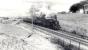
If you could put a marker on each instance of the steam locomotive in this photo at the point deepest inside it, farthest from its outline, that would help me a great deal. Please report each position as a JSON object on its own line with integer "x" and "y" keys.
{"x": 51, "y": 23}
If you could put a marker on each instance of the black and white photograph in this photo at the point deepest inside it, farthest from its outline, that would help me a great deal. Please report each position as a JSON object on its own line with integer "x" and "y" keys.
{"x": 43, "y": 24}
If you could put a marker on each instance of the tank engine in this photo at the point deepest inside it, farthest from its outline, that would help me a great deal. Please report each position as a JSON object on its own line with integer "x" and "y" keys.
{"x": 51, "y": 23}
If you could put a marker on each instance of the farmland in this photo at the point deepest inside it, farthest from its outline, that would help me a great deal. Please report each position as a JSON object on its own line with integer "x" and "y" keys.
{"x": 13, "y": 36}
{"x": 74, "y": 22}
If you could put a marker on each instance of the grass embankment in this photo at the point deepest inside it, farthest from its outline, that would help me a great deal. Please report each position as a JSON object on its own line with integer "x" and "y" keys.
{"x": 74, "y": 22}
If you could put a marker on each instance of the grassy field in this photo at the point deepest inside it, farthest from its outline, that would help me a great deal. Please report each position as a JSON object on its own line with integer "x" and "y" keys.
{"x": 74, "y": 22}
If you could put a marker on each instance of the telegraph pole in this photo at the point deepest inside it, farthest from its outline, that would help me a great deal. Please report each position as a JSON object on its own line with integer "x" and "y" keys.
{"x": 32, "y": 12}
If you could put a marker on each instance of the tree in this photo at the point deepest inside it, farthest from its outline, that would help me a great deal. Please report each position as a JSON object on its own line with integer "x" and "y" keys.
{"x": 84, "y": 3}
{"x": 75, "y": 7}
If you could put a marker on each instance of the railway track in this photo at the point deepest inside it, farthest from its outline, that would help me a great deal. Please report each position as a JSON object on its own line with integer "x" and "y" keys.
{"x": 75, "y": 39}
{"x": 64, "y": 34}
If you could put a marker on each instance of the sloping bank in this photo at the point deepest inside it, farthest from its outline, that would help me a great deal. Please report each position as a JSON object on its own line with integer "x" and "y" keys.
{"x": 15, "y": 38}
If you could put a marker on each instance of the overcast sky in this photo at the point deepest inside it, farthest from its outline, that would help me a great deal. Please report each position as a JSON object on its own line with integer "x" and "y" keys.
{"x": 21, "y": 7}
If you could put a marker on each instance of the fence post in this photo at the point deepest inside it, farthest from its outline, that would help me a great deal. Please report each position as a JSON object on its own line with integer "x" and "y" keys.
{"x": 63, "y": 43}
{"x": 70, "y": 43}
{"x": 79, "y": 46}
